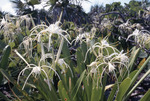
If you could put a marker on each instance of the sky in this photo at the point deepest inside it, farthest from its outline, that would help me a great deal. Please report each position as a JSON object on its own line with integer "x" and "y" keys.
{"x": 7, "y": 6}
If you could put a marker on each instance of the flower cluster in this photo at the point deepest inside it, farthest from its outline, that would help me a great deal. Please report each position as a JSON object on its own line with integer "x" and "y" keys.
{"x": 142, "y": 38}
{"x": 10, "y": 26}
{"x": 48, "y": 31}
{"x": 85, "y": 37}
{"x": 35, "y": 70}
{"x": 108, "y": 58}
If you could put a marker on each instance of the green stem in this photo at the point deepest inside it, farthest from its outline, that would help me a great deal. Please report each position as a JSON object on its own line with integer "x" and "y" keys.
{"x": 60, "y": 49}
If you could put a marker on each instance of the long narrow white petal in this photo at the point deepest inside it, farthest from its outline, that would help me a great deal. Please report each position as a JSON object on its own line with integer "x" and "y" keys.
{"x": 27, "y": 80}
{"x": 21, "y": 57}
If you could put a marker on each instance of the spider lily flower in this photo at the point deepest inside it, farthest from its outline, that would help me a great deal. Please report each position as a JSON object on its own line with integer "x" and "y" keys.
{"x": 104, "y": 43}
{"x": 115, "y": 59}
{"x": 124, "y": 25}
{"x": 49, "y": 31}
{"x": 8, "y": 28}
{"x": 99, "y": 47}
{"x": 27, "y": 43}
{"x": 144, "y": 38}
{"x": 35, "y": 70}
{"x": 118, "y": 56}
{"x": 86, "y": 37}
{"x": 21, "y": 20}
{"x": 110, "y": 67}
{"x": 109, "y": 64}
{"x": 106, "y": 66}
{"x": 123, "y": 58}
{"x": 135, "y": 33}
{"x": 3, "y": 22}
{"x": 93, "y": 66}
{"x": 64, "y": 65}
{"x": 78, "y": 38}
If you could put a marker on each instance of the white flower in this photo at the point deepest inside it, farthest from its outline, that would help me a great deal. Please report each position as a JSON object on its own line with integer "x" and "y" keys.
{"x": 135, "y": 33}
{"x": 27, "y": 43}
{"x": 93, "y": 64}
{"x": 82, "y": 37}
{"x": 64, "y": 65}
{"x": 48, "y": 31}
{"x": 123, "y": 58}
{"x": 110, "y": 67}
{"x": 99, "y": 47}
{"x": 8, "y": 28}
{"x": 22, "y": 19}
{"x": 3, "y": 22}
{"x": 142, "y": 38}
{"x": 119, "y": 58}
{"x": 104, "y": 43}
{"x": 85, "y": 37}
{"x": 55, "y": 28}
{"x": 93, "y": 70}
{"x": 35, "y": 70}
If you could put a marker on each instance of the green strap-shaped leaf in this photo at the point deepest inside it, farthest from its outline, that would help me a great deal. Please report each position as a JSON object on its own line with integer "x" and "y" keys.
{"x": 88, "y": 87}
{"x": 81, "y": 51}
{"x": 67, "y": 56}
{"x": 78, "y": 84}
{"x": 66, "y": 52}
{"x": 83, "y": 48}
{"x": 96, "y": 93}
{"x": 112, "y": 93}
{"x": 47, "y": 94}
{"x": 123, "y": 88}
{"x": 62, "y": 92}
{"x": 4, "y": 60}
{"x": 132, "y": 74}
{"x": 63, "y": 78}
{"x": 146, "y": 97}
{"x": 133, "y": 57}
{"x": 103, "y": 87}
{"x": 80, "y": 61}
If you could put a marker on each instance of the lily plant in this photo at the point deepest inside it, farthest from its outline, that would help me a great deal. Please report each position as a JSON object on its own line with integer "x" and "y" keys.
{"x": 35, "y": 70}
